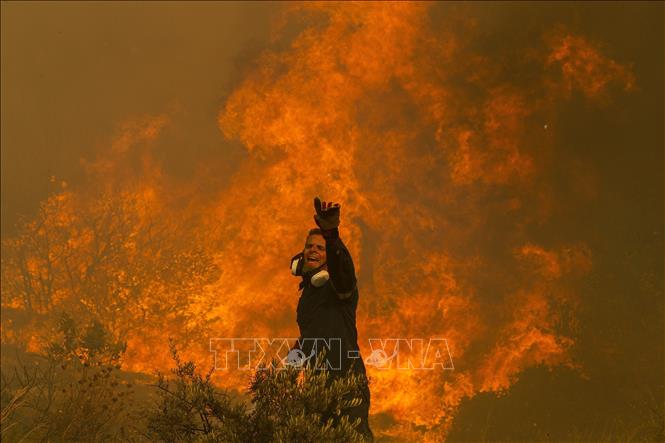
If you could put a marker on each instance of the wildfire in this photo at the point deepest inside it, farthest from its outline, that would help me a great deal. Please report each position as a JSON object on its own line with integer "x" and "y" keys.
{"x": 436, "y": 159}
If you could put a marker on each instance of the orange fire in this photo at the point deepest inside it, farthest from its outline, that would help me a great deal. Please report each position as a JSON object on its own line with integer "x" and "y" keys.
{"x": 438, "y": 160}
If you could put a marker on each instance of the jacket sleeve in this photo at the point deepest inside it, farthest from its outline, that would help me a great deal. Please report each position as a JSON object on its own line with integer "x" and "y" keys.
{"x": 340, "y": 265}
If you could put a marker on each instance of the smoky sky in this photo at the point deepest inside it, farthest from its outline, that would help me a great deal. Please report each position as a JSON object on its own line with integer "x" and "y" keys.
{"x": 73, "y": 71}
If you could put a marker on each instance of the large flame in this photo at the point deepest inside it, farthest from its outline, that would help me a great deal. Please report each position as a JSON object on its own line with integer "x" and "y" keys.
{"x": 439, "y": 160}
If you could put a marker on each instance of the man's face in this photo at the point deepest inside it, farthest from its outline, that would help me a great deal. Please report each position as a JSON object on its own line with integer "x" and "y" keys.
{"x": 315, "y": 252}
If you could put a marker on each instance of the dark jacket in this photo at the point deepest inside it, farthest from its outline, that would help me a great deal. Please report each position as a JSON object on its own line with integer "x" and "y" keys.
{"x": 329, "y": 312}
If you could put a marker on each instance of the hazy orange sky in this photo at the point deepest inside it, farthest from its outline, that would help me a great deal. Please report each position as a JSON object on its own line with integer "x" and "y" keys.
{"x": 520, "y": 144}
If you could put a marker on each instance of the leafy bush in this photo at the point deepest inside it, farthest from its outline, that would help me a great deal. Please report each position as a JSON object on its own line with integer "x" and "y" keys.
{"x": 74, "y": 393}
{"x": 191, "y": 407}
{"x": 286, "y": 405}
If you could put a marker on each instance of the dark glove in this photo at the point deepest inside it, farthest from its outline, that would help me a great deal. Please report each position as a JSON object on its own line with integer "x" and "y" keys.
{"x": 327, "y": 214}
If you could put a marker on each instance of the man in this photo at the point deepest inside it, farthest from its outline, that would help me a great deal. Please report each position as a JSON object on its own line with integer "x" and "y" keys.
{"x": 328, "y": 302}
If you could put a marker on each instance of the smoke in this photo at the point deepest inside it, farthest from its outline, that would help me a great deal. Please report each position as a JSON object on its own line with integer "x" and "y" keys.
{"x": 440, "y": 151}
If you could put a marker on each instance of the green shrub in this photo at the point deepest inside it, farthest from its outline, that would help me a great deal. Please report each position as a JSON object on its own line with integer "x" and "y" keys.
{"x": 286, "y": 405}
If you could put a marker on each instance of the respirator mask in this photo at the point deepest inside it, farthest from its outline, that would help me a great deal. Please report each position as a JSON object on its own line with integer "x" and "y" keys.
{"x": 317, "y": 276}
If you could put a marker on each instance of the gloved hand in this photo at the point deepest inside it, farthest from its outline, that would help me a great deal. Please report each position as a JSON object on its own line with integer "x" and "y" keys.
{"x": 327, "y": 214}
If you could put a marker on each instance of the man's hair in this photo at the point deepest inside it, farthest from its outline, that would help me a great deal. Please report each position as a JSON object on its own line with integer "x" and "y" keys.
{"x": 315, "y": 231}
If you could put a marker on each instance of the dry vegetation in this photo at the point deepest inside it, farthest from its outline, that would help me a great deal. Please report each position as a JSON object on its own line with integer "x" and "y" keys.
{"x": 77, "y": 392}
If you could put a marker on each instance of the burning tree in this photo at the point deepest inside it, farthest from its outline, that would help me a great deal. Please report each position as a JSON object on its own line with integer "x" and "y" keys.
{"x": 117, "y": 257}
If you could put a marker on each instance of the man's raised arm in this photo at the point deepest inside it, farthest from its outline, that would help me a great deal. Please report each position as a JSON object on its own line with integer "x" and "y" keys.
{"x": 340, "y": 265}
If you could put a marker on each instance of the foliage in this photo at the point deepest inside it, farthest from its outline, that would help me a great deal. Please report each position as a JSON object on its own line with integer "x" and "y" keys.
{"x": 115, "y": 256}
{"x": 286, "y": 405}
{"x": 75, "y": 393}
{"x": 191, "y": 406}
